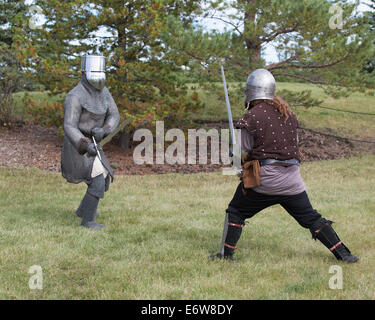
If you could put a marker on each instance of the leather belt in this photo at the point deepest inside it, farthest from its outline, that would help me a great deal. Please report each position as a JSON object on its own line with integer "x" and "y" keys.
{"x": 281, "y": 162}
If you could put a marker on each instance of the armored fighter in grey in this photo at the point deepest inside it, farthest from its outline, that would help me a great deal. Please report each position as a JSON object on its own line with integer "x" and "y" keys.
{"x": 90, "y": 114}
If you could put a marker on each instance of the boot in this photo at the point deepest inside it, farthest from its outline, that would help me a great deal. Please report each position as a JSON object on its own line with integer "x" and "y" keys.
{"x": 232, "y": 232}
{"x": 79, "y": 211}
{"x": 323, "y": 231}
{"x": 95, "y": 188}
{"x": 88, "y": 209}
{"x": 219, "y": 256}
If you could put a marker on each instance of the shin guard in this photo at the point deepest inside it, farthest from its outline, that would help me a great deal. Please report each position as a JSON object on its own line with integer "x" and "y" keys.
{"x": 323, "y": 231}
{"x": 232, "y": 232}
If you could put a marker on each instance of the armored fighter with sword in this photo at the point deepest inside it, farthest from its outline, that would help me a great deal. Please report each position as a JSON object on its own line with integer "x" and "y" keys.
{"x": 269, "y": 143}
{"x": 90, "y": 114}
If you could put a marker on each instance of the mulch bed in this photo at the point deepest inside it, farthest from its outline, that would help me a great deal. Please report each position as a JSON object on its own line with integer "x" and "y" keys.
{"x": 35, "y": 146}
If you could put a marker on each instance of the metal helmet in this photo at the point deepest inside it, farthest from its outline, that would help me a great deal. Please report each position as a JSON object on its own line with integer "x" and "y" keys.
{"x": 260, "y": 85}
{"x": 94, "y": 68}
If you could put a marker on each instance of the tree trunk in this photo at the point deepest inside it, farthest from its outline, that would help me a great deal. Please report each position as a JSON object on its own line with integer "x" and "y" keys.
{"x": 124, "y": 141}
{"x": 253, "y": 44}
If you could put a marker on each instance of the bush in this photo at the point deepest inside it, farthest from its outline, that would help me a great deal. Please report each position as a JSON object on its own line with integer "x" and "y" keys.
{"x": 174, "y": 112}
{"x": 10, "y": 81}
{"x": 45, "y": 113}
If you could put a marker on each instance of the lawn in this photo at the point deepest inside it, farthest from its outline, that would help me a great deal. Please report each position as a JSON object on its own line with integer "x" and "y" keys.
{"x": 161, "y": 229}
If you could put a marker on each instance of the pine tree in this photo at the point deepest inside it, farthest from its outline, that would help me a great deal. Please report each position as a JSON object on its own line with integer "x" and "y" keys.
{"x": 143, "y": 84}
{"x": 370, "y": 65}
{"x": 313, "y": 46}
{"x": 11, "y": 77}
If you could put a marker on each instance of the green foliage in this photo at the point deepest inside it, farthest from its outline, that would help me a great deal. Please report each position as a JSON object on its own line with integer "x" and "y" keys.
{"x": 10, "y": 11}
{"x": 10, "y": 80}
{"x": 11, "y": 77}
{"x": 154, "y": 49}
{"x": 309, "y": 49}
{"x": 300, "y": 98}
{"x": 45, "y": 113}
{"x": 142, "y": 81}
{"x": 370, "y": 65}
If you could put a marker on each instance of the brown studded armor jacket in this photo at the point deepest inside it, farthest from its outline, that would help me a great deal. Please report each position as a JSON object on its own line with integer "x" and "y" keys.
{"x": 274, "y": 137}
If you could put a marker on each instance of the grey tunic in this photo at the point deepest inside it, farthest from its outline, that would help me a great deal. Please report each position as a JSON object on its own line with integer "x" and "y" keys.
{"x": 84, "y": 109}
{"x": 275, "y": 179}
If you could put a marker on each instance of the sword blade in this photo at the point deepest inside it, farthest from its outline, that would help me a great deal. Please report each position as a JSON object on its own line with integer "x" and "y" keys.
{"x": 231, "y": 128}
{"x": 114, "y": 132}
{"x": 236, "y": 147}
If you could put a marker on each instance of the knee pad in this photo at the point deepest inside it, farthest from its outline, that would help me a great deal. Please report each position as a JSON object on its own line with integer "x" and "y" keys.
{"x": 235, "y": 216}
{"x": 97, "y": 186}
{"x": 318, "y": 226}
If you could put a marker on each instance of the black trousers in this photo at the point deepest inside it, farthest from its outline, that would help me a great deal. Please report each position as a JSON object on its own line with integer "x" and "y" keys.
{"x": 245, "y": 206}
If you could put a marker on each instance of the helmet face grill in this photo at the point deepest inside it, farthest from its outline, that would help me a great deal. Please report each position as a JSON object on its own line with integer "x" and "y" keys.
{"x": 94, "y": 68}
{"x": 96, "y": 79}
{"x": 260, "y": 85}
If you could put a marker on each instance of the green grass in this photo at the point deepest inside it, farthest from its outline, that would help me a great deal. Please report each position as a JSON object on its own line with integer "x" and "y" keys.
{"x": 346, "y": 124}
{"x": 161, "y": 228}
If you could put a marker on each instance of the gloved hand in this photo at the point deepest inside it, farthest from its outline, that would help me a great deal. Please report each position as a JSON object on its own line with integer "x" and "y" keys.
{"x": 91, "y": 150}
{"x": 98, "y": 133}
